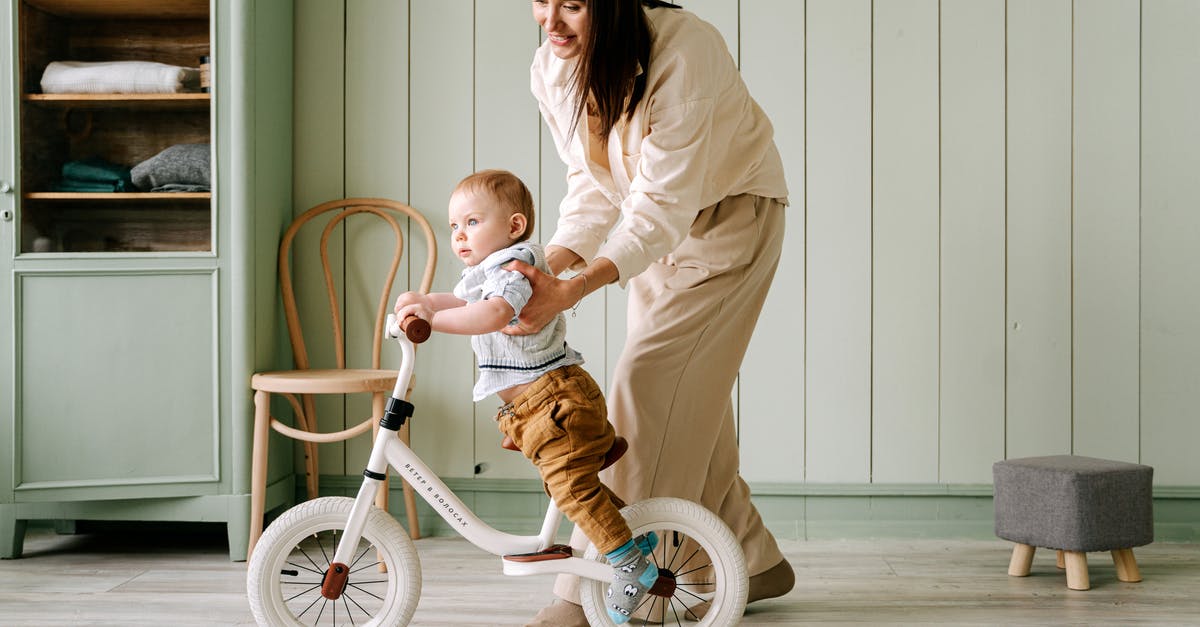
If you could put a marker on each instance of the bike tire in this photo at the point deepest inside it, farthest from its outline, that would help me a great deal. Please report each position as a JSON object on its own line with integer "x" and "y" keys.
{"x": 681, "y": 525}
{"x": 283, "y": 580}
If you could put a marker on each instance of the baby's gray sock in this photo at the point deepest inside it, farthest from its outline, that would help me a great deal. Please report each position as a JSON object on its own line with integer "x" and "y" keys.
{"x": 633, "y": 575}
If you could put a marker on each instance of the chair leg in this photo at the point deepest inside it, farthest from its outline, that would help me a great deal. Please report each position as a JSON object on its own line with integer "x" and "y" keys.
{"x": 1077, "y": 570}
{"x": 258, "y": 467}
{"x": 410, "y": 499}
{"x": 312, "y": 470}
{"x": 1022, "y": 560}
{"x": 1059, "y": 560}
{"x": 377, "y": 408}
{"x": 1127, "y": 568}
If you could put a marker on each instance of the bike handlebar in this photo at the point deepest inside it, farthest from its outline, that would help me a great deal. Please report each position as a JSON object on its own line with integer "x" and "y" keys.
{"x": 416, "y": 329}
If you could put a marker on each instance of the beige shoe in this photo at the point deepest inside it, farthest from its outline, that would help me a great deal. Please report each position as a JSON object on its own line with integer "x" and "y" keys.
{"x": 560, "y": 613}
{"x": 776, "y": 581}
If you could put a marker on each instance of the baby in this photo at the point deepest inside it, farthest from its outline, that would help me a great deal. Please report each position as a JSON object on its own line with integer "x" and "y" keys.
{"x": 553, "y": 410}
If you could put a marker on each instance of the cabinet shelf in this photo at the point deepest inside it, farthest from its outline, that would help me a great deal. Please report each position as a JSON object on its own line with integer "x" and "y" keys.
{"x": 135, "y": 196}
{"x": 143, "y": 9}
{"x": 189, "y": 101}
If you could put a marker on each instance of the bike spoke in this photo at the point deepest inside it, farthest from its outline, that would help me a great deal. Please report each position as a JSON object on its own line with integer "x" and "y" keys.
{"x": 694, "y": 570}
{"x": 310, "y": 560}
{"x": 302, "y": 593}
{"x": 360, "y": 568}
{"x": 365, "y": 591}
{"x": 673, "y": 611}
{"x": 310, "y": 606}
{"x": 303, "y": 567}
{"x": 347, "y": 606}
{"x": 321, "y": 545}
{"x": 689, "y": 559}
{"x": 322, "y": 610}
{"x": 356, "y": 604}
{"x": 361, "y": 555}
{"x": 691, "y": 594}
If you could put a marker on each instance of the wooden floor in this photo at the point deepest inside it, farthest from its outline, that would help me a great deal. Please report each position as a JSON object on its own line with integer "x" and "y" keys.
{"x": 155, "y": 576}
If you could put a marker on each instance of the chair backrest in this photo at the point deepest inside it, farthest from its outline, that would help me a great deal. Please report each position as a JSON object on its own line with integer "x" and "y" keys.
{"x": 387, "y": 210}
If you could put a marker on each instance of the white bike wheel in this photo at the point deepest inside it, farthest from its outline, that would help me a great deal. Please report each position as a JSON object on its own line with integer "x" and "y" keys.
{"x": 696, "y": 547}
{"x": 284, "y": 579}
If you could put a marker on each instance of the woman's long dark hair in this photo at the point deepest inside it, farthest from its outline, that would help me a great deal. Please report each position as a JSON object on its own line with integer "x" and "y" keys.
{"x": 618, "y": 39}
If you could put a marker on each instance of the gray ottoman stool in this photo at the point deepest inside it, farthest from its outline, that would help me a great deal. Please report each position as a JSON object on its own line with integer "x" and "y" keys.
{"x": 1075, "y": 505}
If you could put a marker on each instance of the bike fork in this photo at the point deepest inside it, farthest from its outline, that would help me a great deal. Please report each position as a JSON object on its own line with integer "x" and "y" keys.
{"x": 375, "y": 474}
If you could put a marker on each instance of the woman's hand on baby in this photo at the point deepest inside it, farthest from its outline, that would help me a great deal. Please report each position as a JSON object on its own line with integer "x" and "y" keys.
{"x": 550, "y": 297}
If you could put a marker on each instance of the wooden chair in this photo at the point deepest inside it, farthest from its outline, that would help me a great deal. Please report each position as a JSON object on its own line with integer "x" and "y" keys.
{"x": 305, "y": 381}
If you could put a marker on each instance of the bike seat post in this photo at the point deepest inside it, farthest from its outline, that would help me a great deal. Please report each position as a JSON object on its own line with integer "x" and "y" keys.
{"x": 550, "y": 525}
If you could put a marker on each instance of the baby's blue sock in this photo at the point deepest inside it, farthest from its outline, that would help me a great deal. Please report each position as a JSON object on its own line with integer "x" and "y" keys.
{"x": 633, "y": 575}
{"x": 646, "y": 542}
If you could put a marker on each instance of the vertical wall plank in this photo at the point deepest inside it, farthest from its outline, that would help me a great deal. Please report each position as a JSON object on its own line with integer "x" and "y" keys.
{"x": 1105, "y": 233}
{"x": 319, "y": 143}
{"x": 838, "y": 178}
{"x": 506, "y": 137}
{"x": 1039, "y": 204}
{"x": 318, "y": 109}
{"x": 377, "y": 99}
{"x": 441, "y": 152}
{"x": 972, "y": 296}
{"x": 376, "y": 166}
{"x": 904, "y": 373}
{"x": 1170, "y": 426}
{"x": 771, "y": 390}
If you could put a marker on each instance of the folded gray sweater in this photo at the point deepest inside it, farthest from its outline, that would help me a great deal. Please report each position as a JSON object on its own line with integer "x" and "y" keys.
{"x": 181, "y": 164}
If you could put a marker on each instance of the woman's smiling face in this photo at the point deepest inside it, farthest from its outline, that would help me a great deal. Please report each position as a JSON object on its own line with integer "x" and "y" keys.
{"x": 566, "y": 24}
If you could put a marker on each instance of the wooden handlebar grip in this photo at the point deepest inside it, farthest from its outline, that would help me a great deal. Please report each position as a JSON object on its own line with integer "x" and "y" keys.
{"x": 416, "y": 329}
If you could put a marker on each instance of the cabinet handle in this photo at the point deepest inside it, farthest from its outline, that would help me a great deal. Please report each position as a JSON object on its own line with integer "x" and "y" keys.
{"x": 5, "y": 187}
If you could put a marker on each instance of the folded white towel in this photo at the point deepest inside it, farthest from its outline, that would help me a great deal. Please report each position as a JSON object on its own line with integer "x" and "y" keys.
{"x": 117, "y": 77}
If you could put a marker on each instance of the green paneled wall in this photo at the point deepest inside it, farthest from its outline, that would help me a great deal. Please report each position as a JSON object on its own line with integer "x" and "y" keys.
{"x": 989, "y": 245}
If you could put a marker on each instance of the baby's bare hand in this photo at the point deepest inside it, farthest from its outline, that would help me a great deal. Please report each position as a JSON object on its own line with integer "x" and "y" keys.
{"x": 410, "y": 298}
{"x": 419, "y": 310}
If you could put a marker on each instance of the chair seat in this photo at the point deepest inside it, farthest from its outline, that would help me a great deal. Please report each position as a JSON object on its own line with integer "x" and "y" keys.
{"x": 333, "y": 381}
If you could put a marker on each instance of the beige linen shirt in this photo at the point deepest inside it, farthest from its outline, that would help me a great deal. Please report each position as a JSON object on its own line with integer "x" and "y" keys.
{"x": 695, "y": 138}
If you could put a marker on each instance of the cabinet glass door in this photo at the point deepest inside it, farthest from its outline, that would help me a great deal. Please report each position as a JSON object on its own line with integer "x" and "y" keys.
{"x": 115, "y": 126}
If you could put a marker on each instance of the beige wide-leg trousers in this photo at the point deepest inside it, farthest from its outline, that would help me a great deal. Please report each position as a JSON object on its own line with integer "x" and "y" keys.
{"x": 690, "y": 317}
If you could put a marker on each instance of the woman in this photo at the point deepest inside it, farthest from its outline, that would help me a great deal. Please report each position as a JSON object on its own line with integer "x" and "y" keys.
{"x": 675, "y": 190}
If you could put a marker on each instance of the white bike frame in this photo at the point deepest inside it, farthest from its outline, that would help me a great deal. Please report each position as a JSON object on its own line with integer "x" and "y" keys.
{"x": 389, "y": 449}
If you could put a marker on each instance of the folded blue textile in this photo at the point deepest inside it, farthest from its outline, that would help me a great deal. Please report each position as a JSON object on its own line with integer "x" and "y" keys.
{"x": 94, "y": 175}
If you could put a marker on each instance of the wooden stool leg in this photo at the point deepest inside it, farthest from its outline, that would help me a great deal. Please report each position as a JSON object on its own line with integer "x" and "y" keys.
{"x": 410, "y": 499}
{"x": 258, "y": 467}
{"x": 1127, "y": 568}
{"x": 1022, "y": 559}
{"x": 1077, "y": 570}
{"x": 1059, "y": 560}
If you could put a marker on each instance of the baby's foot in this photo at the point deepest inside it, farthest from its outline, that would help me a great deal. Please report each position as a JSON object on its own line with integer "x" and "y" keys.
{"x": 633, "y": 575}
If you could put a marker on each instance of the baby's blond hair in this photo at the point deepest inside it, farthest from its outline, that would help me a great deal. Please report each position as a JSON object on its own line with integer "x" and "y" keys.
{"x": 507, "y": 189}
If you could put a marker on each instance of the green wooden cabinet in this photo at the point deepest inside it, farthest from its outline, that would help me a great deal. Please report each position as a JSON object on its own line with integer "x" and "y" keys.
{"x": 130, "y": 323}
